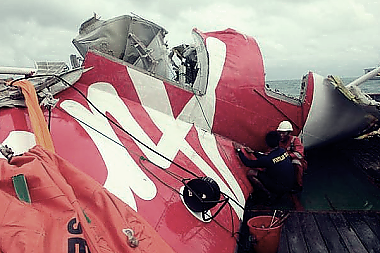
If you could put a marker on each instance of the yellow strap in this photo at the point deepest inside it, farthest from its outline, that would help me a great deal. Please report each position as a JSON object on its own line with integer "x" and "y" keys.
{"x": 37, "y": 119}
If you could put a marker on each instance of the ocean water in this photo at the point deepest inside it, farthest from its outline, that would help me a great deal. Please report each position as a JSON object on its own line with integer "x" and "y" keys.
{"x": 292, "y": 87}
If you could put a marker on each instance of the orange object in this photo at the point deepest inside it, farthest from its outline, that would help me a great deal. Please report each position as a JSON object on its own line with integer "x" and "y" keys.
{"x": 266, "y": 238}
{"x": 37, "y": 119}
{"x": 69, "y": 211}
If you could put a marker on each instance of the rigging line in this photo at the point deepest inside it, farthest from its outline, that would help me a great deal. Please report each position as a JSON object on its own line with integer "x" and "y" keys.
{"x": 220, "y": 225}
{"x": 181, "y": 194}
{"x": 171, "y": 173}
{"x": 232, "y": 231}
{"x": 267, "y": 100}
{"x": 113, "y": 122}
{"x": 236, "y": 202}
{"x": 204, "y": 116}
{"x": 142, "y": 158}
{"x": 217, "y": 142}
{"x": 232, "y": 220}
{"x": 155, "y": 176}
{"x": 117, "y": 125}
{"x": 120, "y": 144}
{"x": 200, "y": 105}
{"x": 99, "y": 132}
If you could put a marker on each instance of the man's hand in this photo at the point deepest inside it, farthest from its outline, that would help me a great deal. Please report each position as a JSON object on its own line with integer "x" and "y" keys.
{"x": 237, "y": 146}
{"x": 248, "y": 150}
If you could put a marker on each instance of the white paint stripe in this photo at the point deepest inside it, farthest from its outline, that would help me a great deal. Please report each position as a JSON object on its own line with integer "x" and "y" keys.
{"x": 19, "y": 141}
{"x": 192, "y": 112}
{"x": 124, "y": 175}
{"x": 209, "y": 145}
{"x": 151, "y": 91}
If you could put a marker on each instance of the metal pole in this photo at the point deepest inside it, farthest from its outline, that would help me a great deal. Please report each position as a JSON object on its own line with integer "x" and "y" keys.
{"x": 17, "y": 71}
{"x": 364, "y": 78}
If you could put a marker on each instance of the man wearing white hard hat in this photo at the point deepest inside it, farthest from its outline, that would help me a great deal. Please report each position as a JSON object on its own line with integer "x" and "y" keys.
{"x": 271, "y": 174}
{"x": 294, "y": 147}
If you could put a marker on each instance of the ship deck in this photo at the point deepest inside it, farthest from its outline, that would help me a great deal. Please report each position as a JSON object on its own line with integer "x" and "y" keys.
{"x": 338, "y": 209}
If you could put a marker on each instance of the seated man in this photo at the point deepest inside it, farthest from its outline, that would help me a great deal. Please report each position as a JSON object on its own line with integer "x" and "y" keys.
{"x": 273, "y": 173}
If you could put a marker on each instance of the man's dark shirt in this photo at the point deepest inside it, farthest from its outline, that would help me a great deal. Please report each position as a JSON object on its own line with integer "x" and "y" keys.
{"x": 278, "y": 166}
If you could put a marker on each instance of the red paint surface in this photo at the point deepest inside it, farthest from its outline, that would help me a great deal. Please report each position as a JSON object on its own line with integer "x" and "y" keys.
{"x": 243, "y": 113}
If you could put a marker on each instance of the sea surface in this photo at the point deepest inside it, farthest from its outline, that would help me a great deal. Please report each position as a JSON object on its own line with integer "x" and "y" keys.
{"x": 292, "y": 87}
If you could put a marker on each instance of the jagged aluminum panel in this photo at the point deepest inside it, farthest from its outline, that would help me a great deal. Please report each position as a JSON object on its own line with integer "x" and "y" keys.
{"x": 129, "y": 38}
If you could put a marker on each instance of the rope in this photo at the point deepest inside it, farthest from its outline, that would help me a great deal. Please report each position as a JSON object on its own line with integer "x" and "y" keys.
{"x": 37, "y": 120}
{"x": 113, "y": 122}
{"x": 142, "y": 158}
{"x": 278, "y": 109}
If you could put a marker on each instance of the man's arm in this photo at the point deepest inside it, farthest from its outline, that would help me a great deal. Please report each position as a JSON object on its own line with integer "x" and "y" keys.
{"x": 259, "y": 163}
{"x": 296, "y": 148}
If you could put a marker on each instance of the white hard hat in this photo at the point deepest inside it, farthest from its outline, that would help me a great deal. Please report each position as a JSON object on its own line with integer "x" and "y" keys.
{"x": 285, "y": 126}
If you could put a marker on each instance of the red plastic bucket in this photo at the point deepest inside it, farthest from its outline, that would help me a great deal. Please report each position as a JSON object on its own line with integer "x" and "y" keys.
{"x": 265, "y": 239}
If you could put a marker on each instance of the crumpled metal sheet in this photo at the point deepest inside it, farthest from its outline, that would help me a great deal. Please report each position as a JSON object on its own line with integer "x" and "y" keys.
{"x": 130, "y": 38}
{"x": 45, "y": 85}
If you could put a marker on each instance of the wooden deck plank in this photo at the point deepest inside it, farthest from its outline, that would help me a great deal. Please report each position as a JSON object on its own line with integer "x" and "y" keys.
{"x": 373, "y": 221}
{"x": 283, "y": 246}
{"x": 329, "y": 233}
{"x": 364, "y": 232}
{"x": 312, "y": 235}
{"x": 294, "y": 234}
{"x": 347, "y": 233}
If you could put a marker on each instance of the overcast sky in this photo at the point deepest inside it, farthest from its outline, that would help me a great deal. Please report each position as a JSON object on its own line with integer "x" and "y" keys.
{"x": 339, "y": 37}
